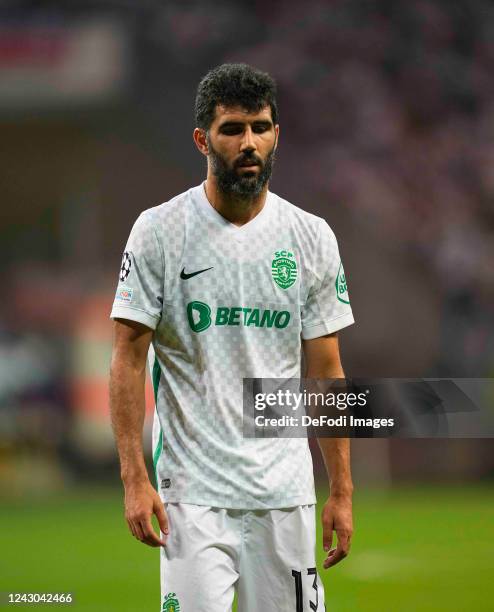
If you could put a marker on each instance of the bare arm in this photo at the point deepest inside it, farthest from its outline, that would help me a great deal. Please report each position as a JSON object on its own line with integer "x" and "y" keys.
{"x": 323, "y": 361}
{"x": 127, "y": 379}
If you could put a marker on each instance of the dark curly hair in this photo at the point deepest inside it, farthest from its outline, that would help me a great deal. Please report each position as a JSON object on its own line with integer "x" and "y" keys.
{"x": 234, "y": 85}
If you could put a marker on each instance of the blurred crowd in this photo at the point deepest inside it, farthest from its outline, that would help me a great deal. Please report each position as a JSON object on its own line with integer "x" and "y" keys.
{"x": 390, "y": 107}
{"x": 395, "y": 101}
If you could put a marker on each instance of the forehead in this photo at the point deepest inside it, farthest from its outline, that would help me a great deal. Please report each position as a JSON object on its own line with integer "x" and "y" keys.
{"x": 238, "y": 114}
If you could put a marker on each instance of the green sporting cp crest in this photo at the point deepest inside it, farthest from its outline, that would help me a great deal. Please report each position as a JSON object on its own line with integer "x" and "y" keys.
{"x": 284, "y": 269}
{"x": 171, "y": 603}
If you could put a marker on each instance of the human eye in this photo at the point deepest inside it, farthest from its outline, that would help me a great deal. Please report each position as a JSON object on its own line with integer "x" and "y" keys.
{"x": 231, "y": 130}
{"x": 260, "y": 128}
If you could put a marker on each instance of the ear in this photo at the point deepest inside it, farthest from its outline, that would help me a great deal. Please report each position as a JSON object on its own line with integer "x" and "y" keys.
{"x": 200, "y": 140}
{"x": 277, "y": 135}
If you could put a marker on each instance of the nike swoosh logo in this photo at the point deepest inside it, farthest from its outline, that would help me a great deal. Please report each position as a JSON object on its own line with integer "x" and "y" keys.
{"x": 185, "y": 276}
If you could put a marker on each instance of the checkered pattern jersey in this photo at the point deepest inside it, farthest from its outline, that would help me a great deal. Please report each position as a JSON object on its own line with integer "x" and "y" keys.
{"x": 199, "y": 358}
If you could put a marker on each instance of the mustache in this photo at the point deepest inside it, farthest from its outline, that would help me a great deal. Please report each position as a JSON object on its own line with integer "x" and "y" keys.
{"x": 248, "y": 160}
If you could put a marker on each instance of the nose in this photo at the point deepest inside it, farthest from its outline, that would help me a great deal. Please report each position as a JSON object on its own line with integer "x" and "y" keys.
{"x": 248, "y": 143}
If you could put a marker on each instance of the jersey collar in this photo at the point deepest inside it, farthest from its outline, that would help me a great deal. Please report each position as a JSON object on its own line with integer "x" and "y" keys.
{"x": 201, "y": 199}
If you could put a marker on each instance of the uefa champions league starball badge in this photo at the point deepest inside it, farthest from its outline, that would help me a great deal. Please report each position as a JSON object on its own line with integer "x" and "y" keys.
{"x": 284, "y": 268}
{"x": 126, "y": 266}
{"x": 171, "y": 603}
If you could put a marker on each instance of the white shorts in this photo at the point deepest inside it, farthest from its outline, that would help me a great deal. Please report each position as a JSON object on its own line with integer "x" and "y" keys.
{"x": 267, "y": 556}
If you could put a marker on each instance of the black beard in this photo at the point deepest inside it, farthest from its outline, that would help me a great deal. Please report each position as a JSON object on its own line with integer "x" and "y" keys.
{"x": 245, "y": 187}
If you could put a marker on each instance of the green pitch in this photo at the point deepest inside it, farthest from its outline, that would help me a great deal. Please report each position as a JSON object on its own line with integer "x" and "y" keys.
{"x": 416, "y": 549}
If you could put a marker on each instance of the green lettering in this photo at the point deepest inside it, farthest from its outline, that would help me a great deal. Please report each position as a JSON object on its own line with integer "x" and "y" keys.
{"x": 278, "y": 322}
{"x": 237, "y": 315}
{"x": 268, "y": 318}
{"x": 222, "y": 315}
{"x": 234, "y": 315}
{"x": 254, "y": 317}
{"x": 246, "y": 311}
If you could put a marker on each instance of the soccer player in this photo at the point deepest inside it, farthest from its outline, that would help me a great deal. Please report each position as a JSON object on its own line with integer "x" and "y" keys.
{"x": 222, "y": 282}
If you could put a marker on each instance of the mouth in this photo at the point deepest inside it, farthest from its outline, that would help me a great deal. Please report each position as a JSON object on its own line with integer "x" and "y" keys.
{"x": 248, "y": 165}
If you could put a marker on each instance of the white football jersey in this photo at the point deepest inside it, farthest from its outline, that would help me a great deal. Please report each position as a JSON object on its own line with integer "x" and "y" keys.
{"x": 228, "y": 303}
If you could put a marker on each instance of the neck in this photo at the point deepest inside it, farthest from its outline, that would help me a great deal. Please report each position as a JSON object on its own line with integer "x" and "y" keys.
{"x": 235, "y": 209}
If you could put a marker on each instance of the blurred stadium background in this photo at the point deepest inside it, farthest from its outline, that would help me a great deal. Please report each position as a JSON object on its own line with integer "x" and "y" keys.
{"x": 387, "y": 131}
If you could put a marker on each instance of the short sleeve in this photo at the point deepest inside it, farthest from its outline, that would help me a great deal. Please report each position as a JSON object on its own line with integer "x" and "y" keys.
{"x": 327, "y": 308}
{"x": 139, "y": 295}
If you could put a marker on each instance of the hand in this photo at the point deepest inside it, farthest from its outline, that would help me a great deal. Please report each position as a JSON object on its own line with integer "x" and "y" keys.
{"x": 141, "y": 502}
{"x": 337, "y": 516}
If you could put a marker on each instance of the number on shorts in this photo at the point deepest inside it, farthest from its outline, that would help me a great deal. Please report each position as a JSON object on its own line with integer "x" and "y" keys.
{"x": 299, "y": 595}
{"x": 312, "y": 570}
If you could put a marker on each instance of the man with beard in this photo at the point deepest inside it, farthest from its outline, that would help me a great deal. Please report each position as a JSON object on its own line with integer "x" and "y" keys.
{"x": 224, "y": 282}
